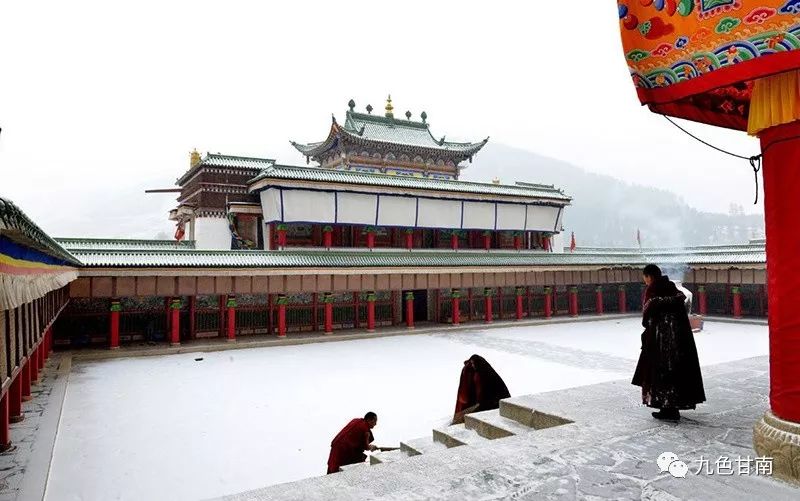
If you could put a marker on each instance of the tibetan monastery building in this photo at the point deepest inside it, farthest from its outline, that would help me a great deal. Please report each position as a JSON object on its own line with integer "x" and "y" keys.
{"x": 374, "y": 231}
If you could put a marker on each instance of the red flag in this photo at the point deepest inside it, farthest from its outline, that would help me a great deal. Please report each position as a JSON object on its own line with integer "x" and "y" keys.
{"x": 572, "y": 243}
{"x": 180, "y": 230}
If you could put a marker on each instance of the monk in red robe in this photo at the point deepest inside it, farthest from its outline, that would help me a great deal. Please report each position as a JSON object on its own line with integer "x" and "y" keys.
{"x": 480, "y": 388}
{"x": 349, "y": 445}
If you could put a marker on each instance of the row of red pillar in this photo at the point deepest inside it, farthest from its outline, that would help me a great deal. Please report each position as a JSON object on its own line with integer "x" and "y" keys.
{"x": 20, "y": 388}
{"x": 327, "y": 239}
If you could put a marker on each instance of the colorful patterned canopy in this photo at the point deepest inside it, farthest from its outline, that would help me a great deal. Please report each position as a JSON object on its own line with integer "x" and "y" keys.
{"x": 697, "y": 59}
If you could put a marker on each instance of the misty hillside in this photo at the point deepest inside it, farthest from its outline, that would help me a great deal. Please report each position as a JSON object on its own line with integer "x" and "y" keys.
{"x": 606, "y": 211}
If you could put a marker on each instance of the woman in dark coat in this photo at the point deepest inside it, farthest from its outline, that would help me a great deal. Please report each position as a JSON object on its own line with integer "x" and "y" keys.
{"x": 668, "y": 370}
{"x": 480, "y": 388}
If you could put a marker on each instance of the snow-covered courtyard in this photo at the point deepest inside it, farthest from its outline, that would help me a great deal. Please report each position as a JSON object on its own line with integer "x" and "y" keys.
{"x": 173, "y": 427}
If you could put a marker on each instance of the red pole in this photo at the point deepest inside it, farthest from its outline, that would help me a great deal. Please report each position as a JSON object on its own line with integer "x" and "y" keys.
{"x": 371, "y": 312}
{"x": 454, "y": 241}
{"x": 370, "y": 239}
{"x": 737, "y": 302}
{"x": 231, "y": 305}
{"x": 702, "y": 300}
{"x": 409, "y": 310}
{"x": 487, "y": 299}
{"x": 282, "y": 300}
{"x": 114, "y": 327}
{"x": 409, "y": 240}
{"x": 623, "y": 300}
{"x": 25, "y": 376}
{"x": 487, "y": 240}
{"x": 34, "y": 363}
{"x": 548, "y": 302}
{"x": 175, "y": 330}
{"x": 327, "y": 237}
{"x": 15, "y": 400}
{"x": 281, "y": 235}
{"x": 456, "y": 302}
{"x": 5, "y": 433}
{"x": 520, "y": 292}
{"x": 573, "y": 301}
{"x": 517, "y": 242}
{"x": 328, "y": 301}
{"x": 598, "y": 300}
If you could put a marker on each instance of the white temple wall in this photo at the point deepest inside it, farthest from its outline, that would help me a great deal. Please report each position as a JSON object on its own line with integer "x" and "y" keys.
{"x": 212, "y": 233}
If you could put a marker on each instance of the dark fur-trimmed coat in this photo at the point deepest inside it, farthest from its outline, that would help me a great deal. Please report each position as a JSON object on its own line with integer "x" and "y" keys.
{"x": 668, "y": 370}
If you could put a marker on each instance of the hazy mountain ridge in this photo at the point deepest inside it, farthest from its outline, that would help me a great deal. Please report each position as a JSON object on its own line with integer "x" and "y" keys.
{"x": 606, "y": 211}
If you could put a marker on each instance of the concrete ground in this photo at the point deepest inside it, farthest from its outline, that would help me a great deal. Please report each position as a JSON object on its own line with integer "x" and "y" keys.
{"x": 608, "y": 452}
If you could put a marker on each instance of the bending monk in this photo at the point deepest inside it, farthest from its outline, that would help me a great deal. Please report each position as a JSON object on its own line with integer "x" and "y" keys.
{"x": 349, "y": 445}
{"x": 480, "y": 389}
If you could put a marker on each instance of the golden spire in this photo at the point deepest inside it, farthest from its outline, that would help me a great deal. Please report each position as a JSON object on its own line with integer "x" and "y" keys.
{"x": 389, "y": 107}
{"x": 194, "y": 158}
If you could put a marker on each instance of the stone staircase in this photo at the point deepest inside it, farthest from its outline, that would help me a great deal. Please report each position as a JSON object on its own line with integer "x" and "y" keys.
{"x": 513, "y": 417}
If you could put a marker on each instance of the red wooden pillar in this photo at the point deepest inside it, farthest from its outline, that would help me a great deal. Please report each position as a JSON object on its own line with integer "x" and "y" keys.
{"x": 548, "y": 302}
{"x": 517, "y": 241}
{"x": 455, "y": 297}
{"x": 5, "y": 432}
{"x": 370, "y": 237}
{"x": 281, "y": 230}
{"x": 487, "y": 240}
{"x": 598, "y": 300}
{"x": 573, "y": 301}
{"x": 113, "y": 336}
{"x": 409, "y": 310}
{"x": 371, "y": 297}
{"x": 520, "y": 292}
{"x": 487, "y": 300}
{"x": 231, "y": 327}
{"x": 702, "y": 300}
{"x": 25, "y": 376}
{"x": 34, "y": 365}
{"x": 623, "y": 300}
{"x": 737, "y": 302}
{"x": 192, "y": 317}
{"x": 282, "y": 301}
{"x": 15, "y": 400}
{"x": 327, "y": 237}
{"x": 409, "y": 239}
{"x": 327, "y": 300}
{"x": 454, "y": 241}
{"x": 175, "y": 322}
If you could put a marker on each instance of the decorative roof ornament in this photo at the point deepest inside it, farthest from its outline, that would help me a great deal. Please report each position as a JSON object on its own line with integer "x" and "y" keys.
{"x": 496, "y": 180}
{"x": 194, "y": 158}
{"x": 351, "y": 104}
{"x": 369, "y": 109}
{"x": 408, "y": 115}
{"x": 389, "y": 107}
{"x": 424, "y": 117}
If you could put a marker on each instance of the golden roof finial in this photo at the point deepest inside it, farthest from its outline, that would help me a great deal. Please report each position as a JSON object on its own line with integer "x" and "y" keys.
{"x": 389, "y": 107}
{"x": 194, "y": 158}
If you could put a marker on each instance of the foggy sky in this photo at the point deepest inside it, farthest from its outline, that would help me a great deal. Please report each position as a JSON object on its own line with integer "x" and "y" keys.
{"x": 100, "y": 100}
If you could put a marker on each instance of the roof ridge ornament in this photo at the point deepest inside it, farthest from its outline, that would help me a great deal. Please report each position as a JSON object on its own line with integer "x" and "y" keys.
{"x": 389, "y": 108}
{"x": 369, "y": 109}
{"x": 424, "y": 117}
{"x": 408, "y": 115}
{"x": 351, "y": 104}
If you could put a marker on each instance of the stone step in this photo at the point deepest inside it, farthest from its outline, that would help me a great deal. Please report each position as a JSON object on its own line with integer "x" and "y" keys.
{"x": 419, "y": 446}
{"x": 355, "y": 466}
{"x": 491, "y": 425}
{"x": 532, "y": 418}
{"x": 387, "y": 457}
{"x": 457, "y": 435}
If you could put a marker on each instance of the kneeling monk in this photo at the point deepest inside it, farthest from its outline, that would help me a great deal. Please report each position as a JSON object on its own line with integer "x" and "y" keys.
{"x": 480, "y": 388}
{"x": 349, "y": 445}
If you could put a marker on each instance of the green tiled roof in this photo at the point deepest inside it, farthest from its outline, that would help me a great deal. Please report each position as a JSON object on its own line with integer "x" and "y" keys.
{"x": 401, "y": 259}
{"x": 19, "y": 227}
{"x": 360, "y": 127}
{"x": 122, "y": 244}
{"x": 319, "y": 174}
{"x": 227, "y": 161}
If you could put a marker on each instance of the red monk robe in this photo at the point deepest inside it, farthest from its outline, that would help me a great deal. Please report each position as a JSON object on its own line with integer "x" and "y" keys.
{"x": 349, "y": 444}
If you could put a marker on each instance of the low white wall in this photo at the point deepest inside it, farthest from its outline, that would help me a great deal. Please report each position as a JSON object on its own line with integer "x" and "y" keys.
{"x": 212, "y": 233}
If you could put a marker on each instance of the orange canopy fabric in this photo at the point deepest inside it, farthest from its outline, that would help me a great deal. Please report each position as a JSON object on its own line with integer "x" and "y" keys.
{"x": 697, "y": 59}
